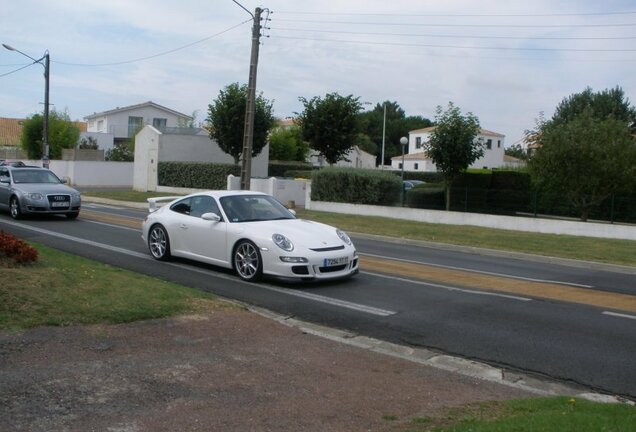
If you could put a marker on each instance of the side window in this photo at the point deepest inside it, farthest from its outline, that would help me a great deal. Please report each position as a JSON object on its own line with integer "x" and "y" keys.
{"x": 4, "y": 174}
{"x": 182, "y": 206}
{"x": 203, "y": 204}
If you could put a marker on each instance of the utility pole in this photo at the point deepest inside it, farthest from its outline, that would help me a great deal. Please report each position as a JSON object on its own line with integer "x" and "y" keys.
{"x": 248, "y": 134}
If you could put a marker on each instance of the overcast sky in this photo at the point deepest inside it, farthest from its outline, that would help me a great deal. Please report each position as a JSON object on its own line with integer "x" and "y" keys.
{"x": 504, "y": 61}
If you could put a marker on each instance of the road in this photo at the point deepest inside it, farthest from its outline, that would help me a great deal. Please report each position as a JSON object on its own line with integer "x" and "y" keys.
{"x": 570, "y": 323}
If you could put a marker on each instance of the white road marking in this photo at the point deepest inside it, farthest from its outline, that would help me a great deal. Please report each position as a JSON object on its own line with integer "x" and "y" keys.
{"x": 314, "y": 297}
{"x": 449, "y": 288}
{"x": 619, "y": 315}
{"x": 478, "y": 271}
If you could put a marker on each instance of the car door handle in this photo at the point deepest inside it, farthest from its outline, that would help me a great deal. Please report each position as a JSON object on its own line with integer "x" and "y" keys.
{"x": 184, "y": 226}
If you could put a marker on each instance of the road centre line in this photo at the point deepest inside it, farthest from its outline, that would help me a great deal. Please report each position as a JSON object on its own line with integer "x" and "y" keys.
{"x": 619, "y": 315}
{"x": 477, "y": 271}
{"x": 447, "y": 287}
{"x": 308, "y": 296}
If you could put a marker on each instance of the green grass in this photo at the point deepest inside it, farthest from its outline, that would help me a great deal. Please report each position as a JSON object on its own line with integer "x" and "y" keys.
{"x": 127, "y": 195}
{"x": 530, "y": 415}
{"x": 63, "y": 289}
{"x": 564, "y": 246}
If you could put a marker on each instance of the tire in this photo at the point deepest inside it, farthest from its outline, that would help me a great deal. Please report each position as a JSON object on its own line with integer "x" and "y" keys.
{"x": 14, "y": 208}
{"x": 247, "y": 261}
{"x": 159, "y": 243}
{"x": 72, "y": 216}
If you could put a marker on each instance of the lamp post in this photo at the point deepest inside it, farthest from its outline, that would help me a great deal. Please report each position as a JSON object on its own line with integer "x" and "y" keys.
{"x": 45, "y": 131}
{"x": 404, "y": 141}
{"x": 383, "y": 134}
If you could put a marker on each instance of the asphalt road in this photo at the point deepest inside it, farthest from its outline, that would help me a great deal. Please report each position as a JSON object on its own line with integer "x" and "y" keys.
{"x": 566, "y": 321}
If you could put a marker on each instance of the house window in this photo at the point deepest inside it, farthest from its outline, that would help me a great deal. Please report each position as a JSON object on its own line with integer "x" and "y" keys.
{"x": 418, "y": 142}
{"x": 498, "y": 143}
{"x": 489, "y": 144}
{"x": 134, "y": 125}
{"x": 159, "y": 123}
{"x": 100, "y": 125}
{"x": 416, "y": 166}
{"x": 400, "y": 165}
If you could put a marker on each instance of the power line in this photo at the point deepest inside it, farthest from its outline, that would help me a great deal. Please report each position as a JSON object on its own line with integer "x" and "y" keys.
{"x": 17, "y": 70}
{"x": 459, "y": 46}
{"x": 460, "y": 15}
{"x": 462, "y": 25}
{"x": 158, "y": 54}
{"x": 454, "y": 36}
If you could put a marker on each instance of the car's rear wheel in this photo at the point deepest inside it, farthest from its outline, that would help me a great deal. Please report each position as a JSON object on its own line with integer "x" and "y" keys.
{"x": 14, "y": 208}
{"x": 159, "y": 243}
{"x": 247, "y": 261}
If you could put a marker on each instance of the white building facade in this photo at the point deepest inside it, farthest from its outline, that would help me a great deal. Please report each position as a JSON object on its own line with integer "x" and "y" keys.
{"x": 416, "y": 158}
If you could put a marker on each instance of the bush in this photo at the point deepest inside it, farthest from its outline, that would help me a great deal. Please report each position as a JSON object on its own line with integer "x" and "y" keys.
{"x": 196, "y": 175}
{"x": 355, "y": 186}
{"x": 306, "y": 174}
{"x": 280, "y": 168}
{"x": 428, "y": 196}
{"x": 16, "y": 250}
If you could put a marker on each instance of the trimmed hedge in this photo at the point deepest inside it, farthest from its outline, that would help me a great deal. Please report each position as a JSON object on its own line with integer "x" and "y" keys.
{"x": 196, "y": 175}
{"x": 355, "y": 186}
{"x": 280, "y": 168}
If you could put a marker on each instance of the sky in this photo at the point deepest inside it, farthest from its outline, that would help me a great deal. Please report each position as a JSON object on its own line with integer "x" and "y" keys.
{"x": 505, "y": 61}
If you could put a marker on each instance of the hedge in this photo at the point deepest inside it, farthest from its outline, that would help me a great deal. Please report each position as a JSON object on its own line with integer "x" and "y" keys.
{"x": 280, "y": 168}
{"x": 196, "y": 175}
{"x": 355, "y": 186}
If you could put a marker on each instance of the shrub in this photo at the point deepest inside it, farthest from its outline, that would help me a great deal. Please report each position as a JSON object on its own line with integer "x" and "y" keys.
{"x": 355, "y": 186}
{"x": 280, "y": 168}
{"x": 16, "y": 250}
{"x": 196, "y": 175}
{"x": 428, "y": 196}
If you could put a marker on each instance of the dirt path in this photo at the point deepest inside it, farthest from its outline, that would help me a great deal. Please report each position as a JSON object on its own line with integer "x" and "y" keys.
{"x": 229, "y": 370}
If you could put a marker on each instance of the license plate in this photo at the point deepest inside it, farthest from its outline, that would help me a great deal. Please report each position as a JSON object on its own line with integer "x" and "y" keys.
{"x": 331, "y": 262}
{"x": 60, "y": 204}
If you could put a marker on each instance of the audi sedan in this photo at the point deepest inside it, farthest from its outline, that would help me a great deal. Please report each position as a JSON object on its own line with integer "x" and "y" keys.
{"x": 29, "y": 190}
{"x": 249, "y": 232}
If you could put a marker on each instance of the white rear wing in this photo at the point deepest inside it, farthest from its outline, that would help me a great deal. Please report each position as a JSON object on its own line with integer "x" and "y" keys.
{"x": 152, "y": 202}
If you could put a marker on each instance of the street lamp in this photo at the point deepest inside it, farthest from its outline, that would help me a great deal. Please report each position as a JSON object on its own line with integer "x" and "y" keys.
{"x": 404, "y": 141}
{"x": 45, "y": 132}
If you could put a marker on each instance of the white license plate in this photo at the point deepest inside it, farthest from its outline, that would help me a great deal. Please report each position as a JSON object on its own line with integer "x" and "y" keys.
{"x": 60, "y": 204}
{"x": 331, "y": 262}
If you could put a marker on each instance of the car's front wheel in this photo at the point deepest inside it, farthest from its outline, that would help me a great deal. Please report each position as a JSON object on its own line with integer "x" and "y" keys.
{"x": 247, "y": 261}
{"x": 159, "y": 243}
{"x": 14, "y": 208}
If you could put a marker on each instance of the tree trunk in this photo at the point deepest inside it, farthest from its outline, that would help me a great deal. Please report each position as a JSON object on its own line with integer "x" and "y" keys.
{"x": 448, "y": 196}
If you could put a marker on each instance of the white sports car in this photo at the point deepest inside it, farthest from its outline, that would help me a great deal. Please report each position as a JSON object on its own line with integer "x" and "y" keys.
{"x": 250, "y": 232}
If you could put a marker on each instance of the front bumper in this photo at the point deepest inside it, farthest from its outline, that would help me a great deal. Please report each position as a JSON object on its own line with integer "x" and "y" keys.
{"x": 315, "y": 267}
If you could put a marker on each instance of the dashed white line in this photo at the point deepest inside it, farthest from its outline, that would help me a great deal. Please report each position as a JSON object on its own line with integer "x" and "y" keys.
{"x": 619, "y": 315}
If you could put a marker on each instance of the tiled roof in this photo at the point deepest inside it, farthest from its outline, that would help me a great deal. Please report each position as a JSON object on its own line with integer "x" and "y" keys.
{"x": 11, "y": 130}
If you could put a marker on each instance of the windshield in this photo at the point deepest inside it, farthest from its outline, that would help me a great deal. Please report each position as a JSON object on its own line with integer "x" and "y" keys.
{"x": 34, "y": 176}
{"x": 252, "y": 208}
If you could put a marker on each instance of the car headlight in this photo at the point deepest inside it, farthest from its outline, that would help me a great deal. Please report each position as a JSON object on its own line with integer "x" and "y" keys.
{"x": 75, "y": 197}
{"x": 283, "y": 242}
{"x": 36, "y": 196}
{"x": 343, "y": 236}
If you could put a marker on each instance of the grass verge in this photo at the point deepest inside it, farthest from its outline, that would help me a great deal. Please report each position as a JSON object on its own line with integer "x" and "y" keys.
{"x": 63, "y": 289}
{"x": 127, "y": 195}
{"x": 564, "y": 246}
{"x": 529, "y": 415}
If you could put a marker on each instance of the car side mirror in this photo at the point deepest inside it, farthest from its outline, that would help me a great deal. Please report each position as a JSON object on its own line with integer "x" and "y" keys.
{"x": 211, "y": 217}
{"x": 5, "y": 180}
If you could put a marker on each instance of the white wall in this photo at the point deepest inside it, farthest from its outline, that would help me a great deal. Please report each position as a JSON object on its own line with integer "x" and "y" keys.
{"x": 284, "y": 190}
{"x": 152, "y": 146}
{"x": 90, "y": 173}
{"x": 528, "y": 224}
{"x": 105, "y": 141}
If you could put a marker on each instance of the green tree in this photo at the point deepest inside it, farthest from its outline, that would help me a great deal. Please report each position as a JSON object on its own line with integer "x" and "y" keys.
{"x": 330, "y": 125}
{"x": 88, "y": 143}
{"x": 286, "y": 144}
{"x": 226, "y": 119}
{"x": 585, "y": 160}
{"x": 517, "y": 151}
{"x": 397, "y": 126}
{"x": 63, "y": 133}
{"x": 452, "y": 146}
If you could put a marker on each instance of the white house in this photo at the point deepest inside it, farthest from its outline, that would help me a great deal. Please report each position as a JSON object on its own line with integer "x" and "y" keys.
{"x": 355, "y": 158}
{"x": 124, "y": 123}
{"x": 417, "y": 160}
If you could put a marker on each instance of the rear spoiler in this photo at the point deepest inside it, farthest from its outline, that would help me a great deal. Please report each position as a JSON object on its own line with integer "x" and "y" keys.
{"x": 152, "y": 202}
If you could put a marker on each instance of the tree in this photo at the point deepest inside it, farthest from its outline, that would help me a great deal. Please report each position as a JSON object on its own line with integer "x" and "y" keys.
{"x": 88, "y": 143}
{"x": 452, "y": 145}
{"x": 517, "y": 151}
{"x": 226, "y": 119}
{"x": 63, "y": 133}
{"x": 397, "y": 126}
{"x": 585, "y": 160}
{"x": 330, "y": 125}
{"x": 286, "y": 144}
